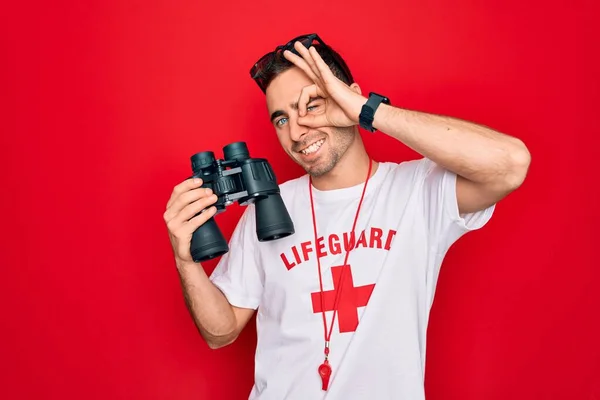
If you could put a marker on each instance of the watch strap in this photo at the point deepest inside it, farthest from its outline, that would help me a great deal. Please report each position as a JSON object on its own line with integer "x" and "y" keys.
{"x": 367, "y": 113}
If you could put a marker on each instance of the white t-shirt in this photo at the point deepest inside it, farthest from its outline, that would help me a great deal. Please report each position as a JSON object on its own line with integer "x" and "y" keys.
{"x": 408, "y": 220}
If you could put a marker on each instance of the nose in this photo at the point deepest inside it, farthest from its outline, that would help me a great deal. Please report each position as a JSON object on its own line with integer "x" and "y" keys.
{"x": 297, "y": 130}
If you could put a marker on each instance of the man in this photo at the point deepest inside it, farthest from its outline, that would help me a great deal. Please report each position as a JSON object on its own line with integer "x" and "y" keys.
{"x": 343, "y": 304}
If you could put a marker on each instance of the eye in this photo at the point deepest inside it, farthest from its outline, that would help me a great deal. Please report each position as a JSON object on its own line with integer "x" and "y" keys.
{"x": 281, "y": 121}
{"x": 313, "y": 106}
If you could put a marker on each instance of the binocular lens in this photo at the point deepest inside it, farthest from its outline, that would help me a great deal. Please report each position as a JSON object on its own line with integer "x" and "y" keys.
{"x": 202, "y": 160}
{"x": 236, "y": 151}
{"x": 272, "y": 219}
{"x": 208, "y": 242}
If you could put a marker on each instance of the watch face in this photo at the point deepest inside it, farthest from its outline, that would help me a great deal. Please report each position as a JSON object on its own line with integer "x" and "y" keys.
{"x": 383, "y": 98}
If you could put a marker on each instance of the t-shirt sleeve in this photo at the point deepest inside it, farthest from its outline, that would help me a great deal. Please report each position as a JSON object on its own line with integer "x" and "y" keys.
{"x": 238, "y": 274}
{"x": 444, "y": 222}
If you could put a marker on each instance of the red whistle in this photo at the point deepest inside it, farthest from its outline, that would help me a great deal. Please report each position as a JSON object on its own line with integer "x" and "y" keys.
{"x": 325, "y": 373}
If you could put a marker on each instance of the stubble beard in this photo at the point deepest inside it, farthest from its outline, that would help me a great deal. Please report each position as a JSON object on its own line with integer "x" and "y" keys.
{"x": 343, "y": 138}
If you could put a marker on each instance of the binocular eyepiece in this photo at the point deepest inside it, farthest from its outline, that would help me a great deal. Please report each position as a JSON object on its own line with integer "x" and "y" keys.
{"x": 238, "y": 178}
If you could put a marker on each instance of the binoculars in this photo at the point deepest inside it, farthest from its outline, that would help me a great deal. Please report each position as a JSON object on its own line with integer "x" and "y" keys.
{"x": 238, "y": 178}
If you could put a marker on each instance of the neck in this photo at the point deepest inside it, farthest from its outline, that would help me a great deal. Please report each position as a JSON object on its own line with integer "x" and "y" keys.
{"x": 351, "y": 170}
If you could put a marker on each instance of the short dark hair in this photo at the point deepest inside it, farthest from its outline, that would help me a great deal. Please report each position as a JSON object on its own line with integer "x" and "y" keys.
{"x": 280, "y": 64}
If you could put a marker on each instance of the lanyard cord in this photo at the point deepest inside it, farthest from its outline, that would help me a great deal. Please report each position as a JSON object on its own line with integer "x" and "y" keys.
{"x": 325, "y": 373}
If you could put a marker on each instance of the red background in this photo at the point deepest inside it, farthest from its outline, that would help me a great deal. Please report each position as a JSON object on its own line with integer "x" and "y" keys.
{"x": 105, "y": 101}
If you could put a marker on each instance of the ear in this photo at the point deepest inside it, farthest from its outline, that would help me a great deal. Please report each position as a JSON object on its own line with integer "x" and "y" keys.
{"x": 355, "y": 88}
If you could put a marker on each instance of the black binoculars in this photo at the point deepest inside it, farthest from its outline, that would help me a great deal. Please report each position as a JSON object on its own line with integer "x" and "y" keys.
{"x": 238, "y": 178}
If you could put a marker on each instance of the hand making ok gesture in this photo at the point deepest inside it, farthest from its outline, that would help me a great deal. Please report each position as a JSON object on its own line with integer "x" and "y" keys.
{"x": 343, "y": 103}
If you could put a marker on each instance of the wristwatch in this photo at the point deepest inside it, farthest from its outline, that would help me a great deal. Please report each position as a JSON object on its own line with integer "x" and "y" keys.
{"x": 367, "y": 113}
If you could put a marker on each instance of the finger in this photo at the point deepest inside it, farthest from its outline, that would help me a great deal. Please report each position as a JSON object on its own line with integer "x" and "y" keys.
{"x": 182, "y": 187}
{"x": 300, "y": 63}
{"x": 194, "y": 208}
{"x": 198, "y": 220}
{"x": 324, "y": 72}
{"x": 314, "y": 120}
{"x": 186, "y": 198}
{"x": 307, "y": 57}
{"x": 183, "y": 200}
{"x": 307, "y": 93}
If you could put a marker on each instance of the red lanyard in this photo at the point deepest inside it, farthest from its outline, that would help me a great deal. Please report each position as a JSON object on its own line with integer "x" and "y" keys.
{"x": 325, "y": 367}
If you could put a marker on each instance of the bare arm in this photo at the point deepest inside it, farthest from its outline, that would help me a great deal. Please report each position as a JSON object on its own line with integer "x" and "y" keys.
{"x": 218, "y": 322}
{"x": 489, "y": 164}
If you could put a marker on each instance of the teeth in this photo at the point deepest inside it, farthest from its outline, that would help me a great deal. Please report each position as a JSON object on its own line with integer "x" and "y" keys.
{"x": 313, "y": 147}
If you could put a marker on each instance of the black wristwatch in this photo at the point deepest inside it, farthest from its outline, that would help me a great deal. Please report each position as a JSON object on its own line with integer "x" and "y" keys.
{"x": 367, "y": 113}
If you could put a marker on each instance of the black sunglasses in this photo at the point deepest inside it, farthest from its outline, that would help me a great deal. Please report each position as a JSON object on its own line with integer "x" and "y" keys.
{"x": 267, "y": 60}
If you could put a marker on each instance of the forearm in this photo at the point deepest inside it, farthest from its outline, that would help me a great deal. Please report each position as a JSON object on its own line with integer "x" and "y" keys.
{"x": 472, "y": 151}
{"x": 213, "y": 315}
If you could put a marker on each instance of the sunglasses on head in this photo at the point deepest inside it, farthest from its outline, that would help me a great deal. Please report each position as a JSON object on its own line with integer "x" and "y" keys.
{"x": 267, "y": 60}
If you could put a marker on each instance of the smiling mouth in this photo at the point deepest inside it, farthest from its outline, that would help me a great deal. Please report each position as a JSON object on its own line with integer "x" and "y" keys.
{"x": 313, "y": 147}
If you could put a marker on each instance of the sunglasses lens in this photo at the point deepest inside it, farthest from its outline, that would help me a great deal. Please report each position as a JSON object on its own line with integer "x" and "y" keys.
{"x": 261, "y": 64}
{"x": 266, "y": 60}
{"x": 305, "y": 40}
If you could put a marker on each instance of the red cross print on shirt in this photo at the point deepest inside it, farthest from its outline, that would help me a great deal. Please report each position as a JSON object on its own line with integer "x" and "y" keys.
{"x": 349, "y": 299}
